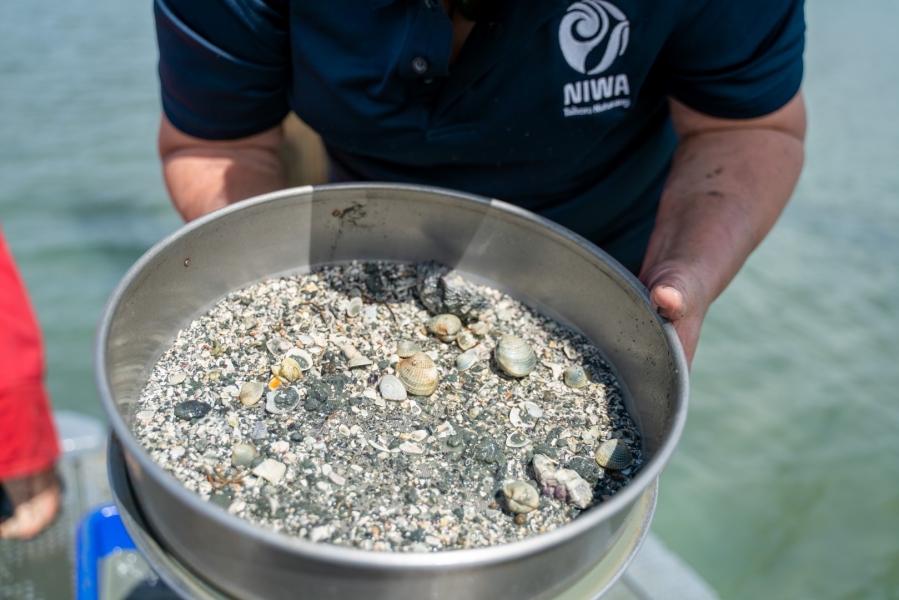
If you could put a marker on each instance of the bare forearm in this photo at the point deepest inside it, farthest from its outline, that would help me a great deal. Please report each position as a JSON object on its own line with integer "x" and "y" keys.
{"x": 202, "y": 176}
{"x": 725, "y": 191}
{"x": 729, "y": 181}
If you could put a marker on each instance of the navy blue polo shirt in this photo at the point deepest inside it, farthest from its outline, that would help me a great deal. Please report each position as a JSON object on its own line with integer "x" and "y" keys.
{"x": 559, "y": 107}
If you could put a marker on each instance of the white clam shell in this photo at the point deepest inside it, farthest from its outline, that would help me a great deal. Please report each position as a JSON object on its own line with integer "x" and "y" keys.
{"x": 392, "y": 388}
{"x": 532, "y": 409}
{"x": 278, "y": 345}
{"x": 515, "y": 417}
{"x": 358, "y": 361}
{"x": 251, "y": 392}
{"x": 303, "y": 358}
{"x": 515, "y": 356}
{"x": 354, "y": 307}
{"x": 466, "y": 360}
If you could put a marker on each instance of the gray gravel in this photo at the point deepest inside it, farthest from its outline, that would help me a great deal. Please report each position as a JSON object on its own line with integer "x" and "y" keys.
{"x": 326, "y": 458}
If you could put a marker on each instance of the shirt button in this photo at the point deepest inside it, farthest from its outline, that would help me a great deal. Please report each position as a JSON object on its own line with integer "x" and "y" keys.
{"x": 419, "y": 65}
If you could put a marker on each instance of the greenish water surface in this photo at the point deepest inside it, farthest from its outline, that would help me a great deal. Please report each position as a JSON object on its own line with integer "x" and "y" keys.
{"x": 786, "y": 482}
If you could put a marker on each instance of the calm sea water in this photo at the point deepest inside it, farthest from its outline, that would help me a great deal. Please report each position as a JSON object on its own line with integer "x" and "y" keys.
{"x": 786, "y": 483}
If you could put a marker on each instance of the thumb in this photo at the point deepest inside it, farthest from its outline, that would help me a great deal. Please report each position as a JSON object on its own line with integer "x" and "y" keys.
{"x": 668, "y": 299}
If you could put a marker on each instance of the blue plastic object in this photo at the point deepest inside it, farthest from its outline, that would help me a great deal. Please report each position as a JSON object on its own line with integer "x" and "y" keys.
{"x": 100, "y": 534}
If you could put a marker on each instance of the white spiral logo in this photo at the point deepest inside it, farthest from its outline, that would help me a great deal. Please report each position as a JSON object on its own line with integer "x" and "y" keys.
{"x": 585, "y": 27}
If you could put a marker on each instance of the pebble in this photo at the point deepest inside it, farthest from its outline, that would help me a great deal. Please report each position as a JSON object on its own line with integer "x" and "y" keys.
{"x": 270, "y": 470}
{"x": 192, "y": 409}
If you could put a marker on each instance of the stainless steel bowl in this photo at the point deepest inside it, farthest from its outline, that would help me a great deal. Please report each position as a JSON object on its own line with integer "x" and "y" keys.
{"x": 537, "y": 261}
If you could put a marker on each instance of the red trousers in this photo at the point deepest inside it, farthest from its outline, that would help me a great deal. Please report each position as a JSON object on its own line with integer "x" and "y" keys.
{"x": 28, "y": 442}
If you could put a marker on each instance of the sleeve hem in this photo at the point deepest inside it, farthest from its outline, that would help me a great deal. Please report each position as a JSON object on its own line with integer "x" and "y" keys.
{"x": 766, "y": 104}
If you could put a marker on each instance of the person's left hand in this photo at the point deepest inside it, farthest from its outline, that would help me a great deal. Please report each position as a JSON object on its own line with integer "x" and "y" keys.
{"x": 35, "y": 499}
{"x": 678, "y": 294}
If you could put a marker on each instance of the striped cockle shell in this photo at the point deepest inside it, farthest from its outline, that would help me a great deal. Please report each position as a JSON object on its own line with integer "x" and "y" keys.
{"x": 290, "y": 369}
{"x": 418, "y": 373}
{"x": 575, "y": 377}
{"x": 514, "y": 356}
{"x": 613, "y": 454}
{"x": 392, "y": 388}
{"x": 251, "y": 392}
{"x": 407, "y": 348}
{"x": 445, "y": 327}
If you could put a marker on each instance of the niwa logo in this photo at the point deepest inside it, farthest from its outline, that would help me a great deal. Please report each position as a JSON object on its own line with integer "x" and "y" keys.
{"x": 592, "y": 35}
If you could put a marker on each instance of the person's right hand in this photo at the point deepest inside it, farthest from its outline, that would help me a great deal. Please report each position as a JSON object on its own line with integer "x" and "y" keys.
{"x": 36, "y": 500}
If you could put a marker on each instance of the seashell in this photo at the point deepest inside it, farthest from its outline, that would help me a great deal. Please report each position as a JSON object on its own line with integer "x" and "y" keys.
{"x": 570, "y": 352}
{"x": 575, "y": 377}
{"x": 514, "y": 356}
{"x": 414, "y": 408}
{"x": 243, "y": 454}
{"x": 515, "y": 417}
{"x": 466, "y": 340}
{"x": 392, "y": 388}
{"x": 281, "y": 402}
{"x": 407, "y": 348}
{"x": 466, "y": 360}
{"x": 516, "y": 440}
{"x": 290, "y": 369}
{"x": 521, "y": 497}
{"x": 532, "y": 409}
{"x": 445, "y": 327}
{"x": 354, "y": 307}
{"x": 479, "y": 328}
{"x": 176, "y": 378}
{"x": 251, "y": 392}
{"x": 358, "y": 361}
{"x": 613, "y": 454}
{"x": 411, "y": 448}
{"x": 419, "y": 435}
{"x": 591, "y": 434}
{"x": 349, "y": 351}
{"x": 303, "y": 358}
{"x": 503, "y": 314}
{"x": 376, "y": 445}
{"x": 418, "y": 373}
{"x": 278, "y": 345}
{"x": 543, "y": 468}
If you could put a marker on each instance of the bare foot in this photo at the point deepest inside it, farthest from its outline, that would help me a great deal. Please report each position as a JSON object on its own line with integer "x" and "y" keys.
{"x": 35, "y": 500}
